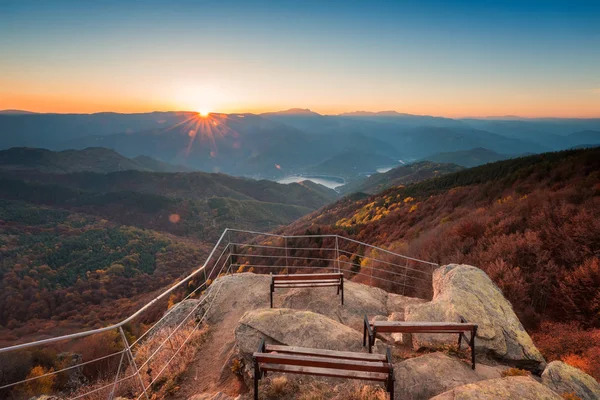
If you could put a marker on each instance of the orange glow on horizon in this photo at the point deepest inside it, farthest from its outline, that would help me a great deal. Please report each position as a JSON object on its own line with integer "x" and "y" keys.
{"x": 569, "y": 108}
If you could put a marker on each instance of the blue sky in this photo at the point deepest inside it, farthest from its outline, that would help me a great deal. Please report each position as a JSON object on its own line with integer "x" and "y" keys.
{"x": 430, "y": 57}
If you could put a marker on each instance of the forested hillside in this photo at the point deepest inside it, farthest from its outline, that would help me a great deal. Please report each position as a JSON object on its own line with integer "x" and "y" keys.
{"x": 61, "y": 271}
{"x": 402, "y": 175}
{"x": 84, "y": 249}
{"x": 531, "y": 223}
{"x": 91, "y": 159}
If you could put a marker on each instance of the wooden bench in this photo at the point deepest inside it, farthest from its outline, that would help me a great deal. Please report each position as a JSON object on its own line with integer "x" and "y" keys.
{"x": 308, "y": 280}
{"x": 330, "y": 363}
{"x": 370, "y": 330}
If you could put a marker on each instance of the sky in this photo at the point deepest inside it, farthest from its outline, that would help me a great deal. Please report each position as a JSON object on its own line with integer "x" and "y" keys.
{"x": 455, "y": 59}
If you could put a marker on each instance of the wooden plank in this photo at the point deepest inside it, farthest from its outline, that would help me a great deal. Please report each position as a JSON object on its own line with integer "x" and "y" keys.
{"x": 301, "y": 285}
{"x": 333, "y": 373}
{"x": 332, "y": 281}
{"x": 323, "y": 362}
{"x": 430, "y": 327}
{"x": 293, "y": 277}
{"x": 348, "y": 355}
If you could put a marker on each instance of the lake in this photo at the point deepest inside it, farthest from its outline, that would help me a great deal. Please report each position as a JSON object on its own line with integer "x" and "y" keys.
{"x": 330, "y": 183}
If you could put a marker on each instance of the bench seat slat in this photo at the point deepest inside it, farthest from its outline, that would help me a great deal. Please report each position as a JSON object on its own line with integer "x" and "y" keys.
{"x": 332, "y": 281}
{"x": 329, "y": 372}
{"x": 348, "y": 355}
{"x": 300, "y": 285}
{"x": 294, "y": 277}
{"x": 323, "y": 362}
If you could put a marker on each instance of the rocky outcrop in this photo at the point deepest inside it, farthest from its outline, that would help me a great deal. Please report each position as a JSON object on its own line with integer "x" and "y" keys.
{"x": 463, "y": 290}
{"x": 176, "y": 314}
{"x": 294, "y": 328}
{"x": 246, "y": 291}
{"x": 562, "y": 378}
{"x": 359, "y": 300}
{"x": 514, "y": 387}
{"x": 423, "y": 377}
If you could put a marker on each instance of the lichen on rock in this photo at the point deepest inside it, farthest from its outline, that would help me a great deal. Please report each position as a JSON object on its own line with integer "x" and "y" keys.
{"x": 514, "y": 387}
{"x": 563, "y": 378}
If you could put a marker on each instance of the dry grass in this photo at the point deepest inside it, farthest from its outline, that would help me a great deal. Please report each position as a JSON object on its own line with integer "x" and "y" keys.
{"x": 515, "y": 372}
{"x": 159, "y": 385}
{"x": 292, "y": 387}
{"x": 570, "y": 396}
{"x": 176, "y": 353}
{"x": 451, "y": 350}
{"x": 279, "y": 387}
{"x": 360, "y": 392}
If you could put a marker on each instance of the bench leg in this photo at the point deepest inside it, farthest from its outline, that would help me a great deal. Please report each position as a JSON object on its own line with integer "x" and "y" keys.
{"x": 473, "y": 334}
{"x": 256, "y": 378}
{"x": 372, "y": 340}
{"x": 272, "y": 289}
{"x": 459, "y": 340}
{"x": 390, "y": 387}
{"x": 342, "y": 285}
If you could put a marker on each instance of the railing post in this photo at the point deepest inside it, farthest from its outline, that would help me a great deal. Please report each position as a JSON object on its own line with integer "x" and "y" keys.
{"x": 337, "y": 253}
{"x": 404, "y": 282}
{"x": 112, "y": 392}
{"x": 286, "y": 255}
{"x": 132, "y": 361}
{"x": 228, "y": 248}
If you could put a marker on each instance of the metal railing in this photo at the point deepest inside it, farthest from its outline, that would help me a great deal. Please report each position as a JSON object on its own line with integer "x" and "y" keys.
{"x": 151, "y": 344}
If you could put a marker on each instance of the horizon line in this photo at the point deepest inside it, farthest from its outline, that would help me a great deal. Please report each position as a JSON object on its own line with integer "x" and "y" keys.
{"x": 22, "y": 112}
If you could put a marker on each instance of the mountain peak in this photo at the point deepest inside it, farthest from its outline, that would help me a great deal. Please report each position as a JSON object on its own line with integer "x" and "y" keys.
{"x": 16, "y": 112}
{"x": 295, "y": 111}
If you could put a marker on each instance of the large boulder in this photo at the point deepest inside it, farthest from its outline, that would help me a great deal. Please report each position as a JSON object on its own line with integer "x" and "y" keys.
{"x": 514, "y": 387}
{"x": 466, "y": 291}
{"x": 423, "y": 377}
{"x": 233, "y": 293}
{"x": 294, "y": 328}
{"x": 359, "y": 300}
{"x": 562, "y": 378}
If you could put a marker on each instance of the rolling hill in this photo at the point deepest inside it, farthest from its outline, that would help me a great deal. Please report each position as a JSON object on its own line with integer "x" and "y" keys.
{"x": 92, "y": 159}
{"x": 402, "y": 175}
{"x": 467, "y": 158}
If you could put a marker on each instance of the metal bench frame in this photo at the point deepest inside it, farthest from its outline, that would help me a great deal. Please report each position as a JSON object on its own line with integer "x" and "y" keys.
{"x": 308, "y": 280}
{"x": 370, "y": 330}
{"x": 319, "y": 362}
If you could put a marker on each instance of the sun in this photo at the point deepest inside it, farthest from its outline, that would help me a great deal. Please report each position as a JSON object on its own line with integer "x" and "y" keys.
{"x": 203, "y": 112}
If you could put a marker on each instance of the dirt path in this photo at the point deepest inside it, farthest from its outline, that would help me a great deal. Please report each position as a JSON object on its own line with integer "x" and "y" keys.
{"x": 210, "y": 371}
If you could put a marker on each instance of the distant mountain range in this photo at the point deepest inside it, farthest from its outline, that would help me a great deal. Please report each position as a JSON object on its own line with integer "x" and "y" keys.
{"x": 295, "y": 141}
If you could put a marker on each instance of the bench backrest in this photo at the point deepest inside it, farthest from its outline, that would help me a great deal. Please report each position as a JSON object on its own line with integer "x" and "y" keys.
{"x": 423, "y": 327}
{"x": 307, "y": 277}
